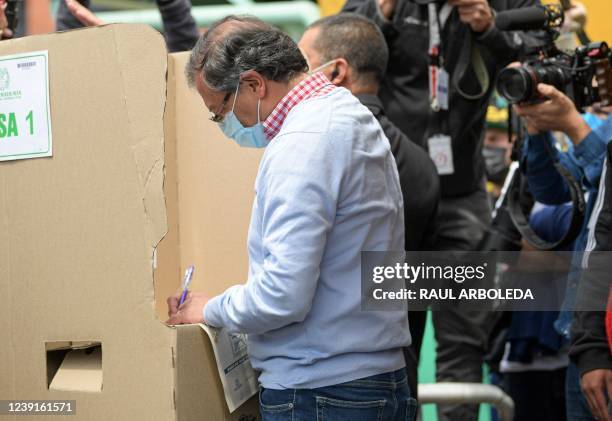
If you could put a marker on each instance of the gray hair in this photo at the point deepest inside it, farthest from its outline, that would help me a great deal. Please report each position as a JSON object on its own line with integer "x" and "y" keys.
{"x": 357, "y": 40}
{"x": 223, "y": 55}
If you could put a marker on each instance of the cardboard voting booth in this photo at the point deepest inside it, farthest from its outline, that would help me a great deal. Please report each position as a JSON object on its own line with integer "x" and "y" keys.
{"x": 112, "y": 185}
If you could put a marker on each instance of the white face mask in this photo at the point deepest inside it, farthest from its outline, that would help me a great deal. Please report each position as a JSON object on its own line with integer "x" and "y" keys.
{"x": 249, "y": 137}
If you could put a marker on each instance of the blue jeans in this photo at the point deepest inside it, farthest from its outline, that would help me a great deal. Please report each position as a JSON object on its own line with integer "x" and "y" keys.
{"x": 384, "y": 397}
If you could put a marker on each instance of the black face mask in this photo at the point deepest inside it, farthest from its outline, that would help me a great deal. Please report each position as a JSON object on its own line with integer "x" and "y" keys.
{"x": 495, "y": 163}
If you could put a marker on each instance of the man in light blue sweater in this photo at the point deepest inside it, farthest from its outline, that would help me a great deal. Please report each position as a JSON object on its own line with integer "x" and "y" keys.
{"x": 327, "y": 189}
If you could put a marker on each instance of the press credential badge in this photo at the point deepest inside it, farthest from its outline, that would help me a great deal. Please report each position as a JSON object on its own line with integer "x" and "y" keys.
{"x": 441, "y": 153}
{"x": 25, "y": 119}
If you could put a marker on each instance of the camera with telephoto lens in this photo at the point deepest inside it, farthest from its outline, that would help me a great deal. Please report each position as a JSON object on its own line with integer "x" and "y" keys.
{"x": 572, "y": 74}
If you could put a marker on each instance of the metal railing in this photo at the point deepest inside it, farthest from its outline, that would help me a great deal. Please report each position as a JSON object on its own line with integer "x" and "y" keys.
{"x": 459, "y": 393}
{"x": 292, "y": 16}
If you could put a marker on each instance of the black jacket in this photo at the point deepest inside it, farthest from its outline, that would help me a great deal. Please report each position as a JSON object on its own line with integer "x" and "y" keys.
{"x": 589, "y": 348}
{"x": 418, "y": 180}
{"x": 405, "y": 90}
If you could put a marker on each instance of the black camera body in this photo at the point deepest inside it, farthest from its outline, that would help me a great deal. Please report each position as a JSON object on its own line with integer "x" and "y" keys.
{"x": 572, "y": 74}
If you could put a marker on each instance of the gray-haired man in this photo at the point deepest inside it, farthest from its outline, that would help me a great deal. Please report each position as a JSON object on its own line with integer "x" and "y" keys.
{"x": 327, "y": 188}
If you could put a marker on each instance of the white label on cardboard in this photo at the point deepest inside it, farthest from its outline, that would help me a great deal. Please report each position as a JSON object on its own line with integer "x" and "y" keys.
{"x": 238, "y": 378}
{"x": 25, "y": 119}
{"x": 441, "y": 153}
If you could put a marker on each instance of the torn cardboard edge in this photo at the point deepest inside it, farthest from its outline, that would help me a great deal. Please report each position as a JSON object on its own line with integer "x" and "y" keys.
{"x": 190, "y": 143}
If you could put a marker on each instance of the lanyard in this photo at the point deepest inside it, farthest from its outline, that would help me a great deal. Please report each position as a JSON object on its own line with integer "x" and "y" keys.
{"x": 438, "y": 78}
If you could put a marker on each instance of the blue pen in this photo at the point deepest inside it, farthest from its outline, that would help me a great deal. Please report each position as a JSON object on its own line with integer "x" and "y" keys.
{"x": 186, "y": 282}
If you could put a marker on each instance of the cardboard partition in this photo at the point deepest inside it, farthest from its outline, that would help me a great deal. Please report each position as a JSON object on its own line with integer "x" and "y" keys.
{"x": 79, "y": 230}
{"x": 209, "y": 189}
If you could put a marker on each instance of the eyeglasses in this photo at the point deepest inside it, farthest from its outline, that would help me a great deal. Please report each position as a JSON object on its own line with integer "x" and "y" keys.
{"x": 214, "y": 116}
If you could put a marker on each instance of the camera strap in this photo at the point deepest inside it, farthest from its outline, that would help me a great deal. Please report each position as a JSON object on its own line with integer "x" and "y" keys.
{"x": 470, "y": 54}
{"x": 521, "y": 221}
{"x": 438, "y": 76}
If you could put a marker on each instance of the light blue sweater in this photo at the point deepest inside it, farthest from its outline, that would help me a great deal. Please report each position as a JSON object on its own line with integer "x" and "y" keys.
{"x": 327, "y": 188}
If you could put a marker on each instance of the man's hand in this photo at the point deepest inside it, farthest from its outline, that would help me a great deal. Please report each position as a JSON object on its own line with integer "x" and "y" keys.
{"x": 575, "y": 17}
{"x": 556, "y": 113}
{"x": 597, "y": 388}
{"x": 475, "y": 13}
{"x": 191, "y": 311}
{"x": 83, "y": 14}
{"x": 387, "y": 7}
{"x": 5, "y": 32}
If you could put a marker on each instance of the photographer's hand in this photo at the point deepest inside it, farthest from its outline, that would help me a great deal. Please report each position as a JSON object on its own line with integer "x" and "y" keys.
{"x": 556, "y": 113}
{"x": 5, "y": 32}
{"x": 575, "y": 17}
{"x": 387, "y": 7}
{"x": 83, "y": 14}
{"x": 475, "y": 13}
{"x": 596, "y": 385}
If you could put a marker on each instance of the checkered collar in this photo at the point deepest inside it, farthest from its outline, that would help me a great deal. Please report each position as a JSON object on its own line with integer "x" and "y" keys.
{"x": 314, "y": 85}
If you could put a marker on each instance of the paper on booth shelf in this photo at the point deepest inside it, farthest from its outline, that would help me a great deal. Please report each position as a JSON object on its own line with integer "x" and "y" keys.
{"x": 25, "y": 118}
{"x": 238, "y": 378}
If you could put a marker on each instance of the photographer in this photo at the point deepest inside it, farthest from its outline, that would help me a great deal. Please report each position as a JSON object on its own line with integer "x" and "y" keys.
{"x": 559, "y": 113}
{"x": 584, "y": 160}
{"x": 458, "y": 42}
{"x": 591, "y": 350}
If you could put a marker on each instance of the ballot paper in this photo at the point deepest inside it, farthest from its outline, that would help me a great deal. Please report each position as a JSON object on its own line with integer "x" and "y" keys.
{"x": 238, "y": 378}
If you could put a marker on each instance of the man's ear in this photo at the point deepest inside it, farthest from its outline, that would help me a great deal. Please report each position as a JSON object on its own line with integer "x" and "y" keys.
{"x": 340, "y": 72}
{"x": 253, "y": 81}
